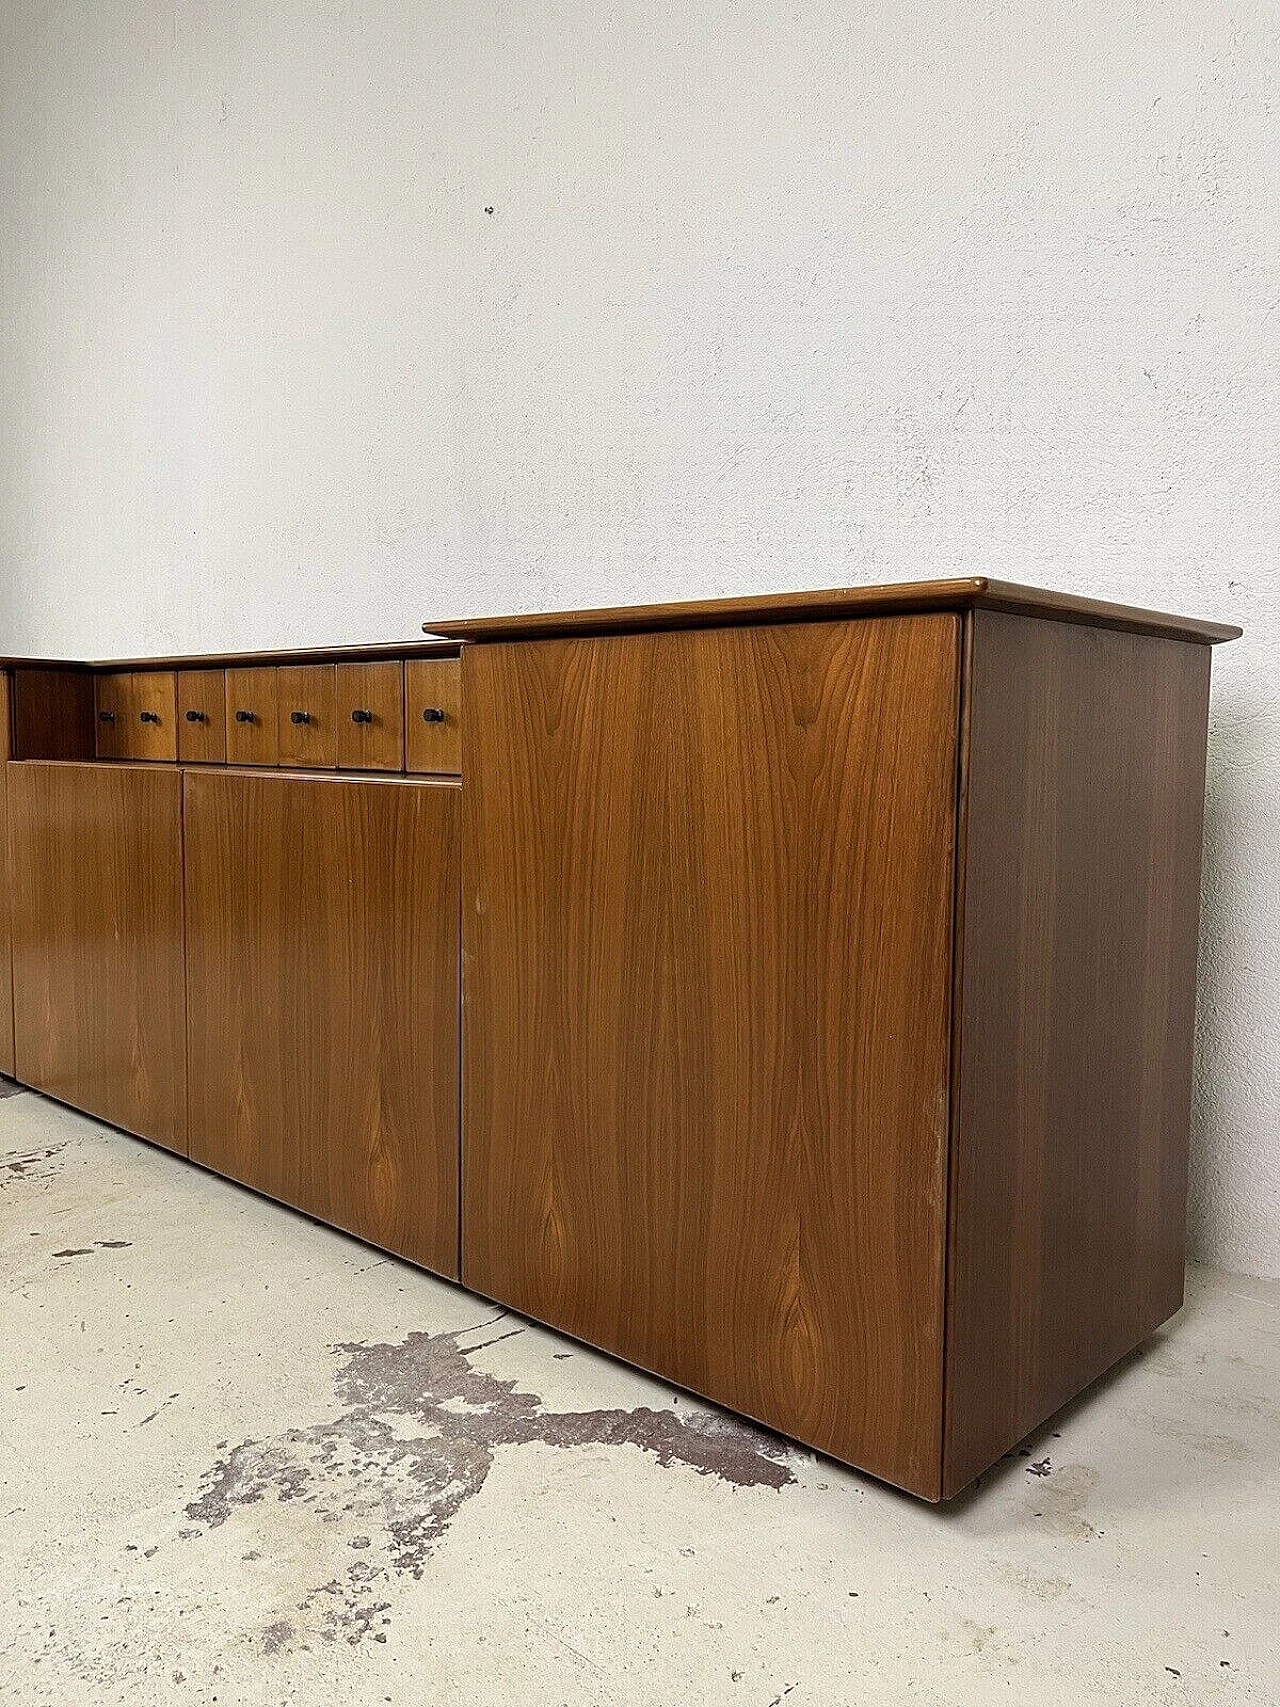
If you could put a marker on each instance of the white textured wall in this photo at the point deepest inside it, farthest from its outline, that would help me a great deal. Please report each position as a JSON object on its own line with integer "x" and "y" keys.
{"x": 768, "y": 297}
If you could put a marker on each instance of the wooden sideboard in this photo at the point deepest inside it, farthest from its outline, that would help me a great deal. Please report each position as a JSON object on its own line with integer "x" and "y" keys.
{"x": 827, "y": 962}
{"x": 233, "y": 920}
{"x": 829, "y": 979}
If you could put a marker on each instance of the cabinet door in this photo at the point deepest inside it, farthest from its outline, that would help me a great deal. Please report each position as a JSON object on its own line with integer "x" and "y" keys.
{"x": 707, "y": 919}
{"x": 369, "y": 704}
{"x": 202, "y": 717}
{"x": 95, "y": 860}
{"x": 308, "y": 733}
{"x": 6, "y": 964}
{"x": 323, "y": 999}
{"x": 432, "y": 714}
{"x": 137, "y": 715}
{"x": 253, "y": 733}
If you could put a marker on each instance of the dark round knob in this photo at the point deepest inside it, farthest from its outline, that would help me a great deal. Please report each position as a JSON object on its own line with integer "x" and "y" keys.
{"x": 196, "y": 717}
{"x": 148, "y": 717}
{"x": 106, "y": 717}
{"x": 362, "y": 717}
{"x": 299, "y": 717}
{"x": 244, "y": 717}
{"x": 432, "y": 714}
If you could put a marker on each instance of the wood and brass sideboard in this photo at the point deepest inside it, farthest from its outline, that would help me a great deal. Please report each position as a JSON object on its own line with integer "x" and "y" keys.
{"x": 793, "y": 996}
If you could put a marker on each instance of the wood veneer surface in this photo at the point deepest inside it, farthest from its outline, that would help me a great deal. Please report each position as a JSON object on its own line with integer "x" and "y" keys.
{"x": 322, "y": 948}
{"x": 707, "y": 952}
{"x": 253, "y": 715}
{"x": 904, "y": 597}
{"x": 305, "y": 692}
{"x": 1085, "y": 794}
{"x": 435, "y": 685}
{"x": 369, "y": 707}
{"x": 137, "y": 713}
{"x": 53, "y": 713}
{"x": 202, "y": 717}
{"x": 95, "y": 863}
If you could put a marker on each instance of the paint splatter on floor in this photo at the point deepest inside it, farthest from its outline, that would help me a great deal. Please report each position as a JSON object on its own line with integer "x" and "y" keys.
{"x": 97, "y": 1245}
{"x": 592, "y": 1578}
{"x": 415, "y": 1440}
{"x": 31, "y": 1165}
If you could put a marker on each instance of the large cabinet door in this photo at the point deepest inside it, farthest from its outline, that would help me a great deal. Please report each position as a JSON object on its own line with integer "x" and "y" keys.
{"x": 322, "y": 993}
{"x": 707, "y": 949}
{"x": 95, "y": 861}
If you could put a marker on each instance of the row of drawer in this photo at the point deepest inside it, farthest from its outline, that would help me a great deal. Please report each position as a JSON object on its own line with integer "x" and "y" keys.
{"x": 387, "y": 716}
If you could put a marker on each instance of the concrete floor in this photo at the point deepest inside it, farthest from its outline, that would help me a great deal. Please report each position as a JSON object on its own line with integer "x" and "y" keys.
{"x": 244, "y": 1459}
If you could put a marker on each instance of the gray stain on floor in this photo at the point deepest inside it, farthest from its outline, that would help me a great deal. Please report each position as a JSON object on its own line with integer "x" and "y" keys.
{"x": 31, "y": 1165}
{"x": 590, "y": 1578}
{"x": 414, "y": 1441}
{"x": 97, "y": 1245}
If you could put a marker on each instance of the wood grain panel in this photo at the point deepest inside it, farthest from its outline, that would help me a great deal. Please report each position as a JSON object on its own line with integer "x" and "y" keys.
{"x": 1085, "y": 794}
{"x": 308, "y": 734}
{"x": 323, "y": 999}
{"x": 95, "y": 858}
{"x": 900, "y": 598}
{"x": 432, "y": 742}
{"x": 253, "y": 732}
{"x": 6, "y": 957}
{"x": 707, "y": 923}
{"x": 52, "y": 714}
{"x": 369, "y": 707}
{"x": 138, "y": 715}
{"x": 202, "y": 717}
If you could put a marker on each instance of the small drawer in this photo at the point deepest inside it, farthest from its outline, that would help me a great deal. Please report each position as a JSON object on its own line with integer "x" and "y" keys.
{"x": 137, "y": 715}
{"x": 253, "y": 735}
{"x": 432, "y": 704}
{"x": 202, "y": 717}
{"x": 308, "y": 730}
{"x": 369, "y": 706}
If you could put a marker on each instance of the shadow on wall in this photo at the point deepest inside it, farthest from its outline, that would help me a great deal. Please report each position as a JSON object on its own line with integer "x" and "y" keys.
{"x": 1219, "y": 1201}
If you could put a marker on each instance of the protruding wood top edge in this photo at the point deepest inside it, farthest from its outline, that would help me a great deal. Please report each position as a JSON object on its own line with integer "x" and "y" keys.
{"x": 961, "y": 593}
{"x": 43, "y": 664}
{"x": 382, "y": 651}
{"x": 282, "y": 773}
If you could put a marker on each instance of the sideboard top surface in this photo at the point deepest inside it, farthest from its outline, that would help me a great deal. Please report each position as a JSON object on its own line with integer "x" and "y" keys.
{"x": 389, "y": 649}
{"x": 962, "y": 593}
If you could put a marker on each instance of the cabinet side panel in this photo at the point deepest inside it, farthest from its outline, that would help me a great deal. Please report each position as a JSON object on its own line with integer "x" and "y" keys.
{"x": 53, "y": 714}
{"x": 707, "y": 941}
{"x": 1085, "y": 803}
